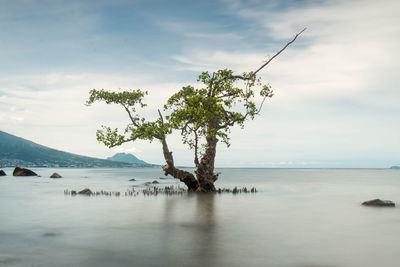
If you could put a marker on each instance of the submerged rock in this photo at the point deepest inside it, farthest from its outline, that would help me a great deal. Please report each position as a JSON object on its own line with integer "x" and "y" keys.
{"x": 133, "y": 179}
{"x": 51, "y": 234}
{"x": 2, "y": 173}
{"x": 8, "y": 260}
{"x": 55, "y": 175}
{"x": 155, "y": 182}
{"x": 379, "y": 203}
{"x": 23, "y": 172}
{"x": 85, "y": 191}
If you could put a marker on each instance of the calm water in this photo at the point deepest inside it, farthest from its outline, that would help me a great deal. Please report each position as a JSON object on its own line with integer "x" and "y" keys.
{"x": 299, "y": 217}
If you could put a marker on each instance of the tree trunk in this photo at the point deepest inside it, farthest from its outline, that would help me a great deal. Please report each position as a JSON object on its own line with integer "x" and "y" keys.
{"x": 205, "y": 169}
{"x": 184, "y": 176}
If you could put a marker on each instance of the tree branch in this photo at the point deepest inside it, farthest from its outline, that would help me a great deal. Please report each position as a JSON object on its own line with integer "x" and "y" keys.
{"x": 259, "y": 109}
{"x": 125, "y": 141}
{"x": 130, "y": 115}
{"x": 268, "y": 61}
{"x": 210, "y": 91}
{"x": 196, "y": 147}
{"x": 233, "y": 121}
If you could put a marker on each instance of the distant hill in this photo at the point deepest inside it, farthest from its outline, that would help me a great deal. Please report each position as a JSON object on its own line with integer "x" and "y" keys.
{"x": 127, "y": 158}
{"x": 395, "y": 167}
{"x": 18, "y": 151}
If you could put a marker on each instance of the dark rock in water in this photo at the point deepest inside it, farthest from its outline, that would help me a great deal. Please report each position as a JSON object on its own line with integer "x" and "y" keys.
{"x": 133, "y": 179}
{"x": 85, "y": 191}
{"x": 379, "y": 203}
{"x": 51, "y": 234}
{"x": 55, "y": 175}
{"x": 73, "y": 192}
{"x": 155, "y": 182}
{"x": 8, "y": 260}
{"x": 2, "y": 173}
{"x": 164, "y": 178}
{"x": 23, "y": 172}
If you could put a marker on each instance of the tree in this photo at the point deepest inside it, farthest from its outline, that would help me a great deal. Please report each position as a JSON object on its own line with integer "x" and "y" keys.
{"x": 203, "y": 116}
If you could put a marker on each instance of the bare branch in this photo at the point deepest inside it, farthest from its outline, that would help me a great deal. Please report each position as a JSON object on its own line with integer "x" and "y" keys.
{"x": 130, "y": 115}
{"x": 262, "y": 102}
{"x": 196, "y": 147}
{"x": 269, "y": 60}
{"x": 210, "y": 91}
{"x": 280, "y": 51}
{"x": 162, "y": 119}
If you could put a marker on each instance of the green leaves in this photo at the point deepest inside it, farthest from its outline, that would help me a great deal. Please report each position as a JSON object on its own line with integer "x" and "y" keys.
{"x": 224, "y": 101}
{"x": 138, "y": 128}
{"x": 125, "y": 98}
{"x": 219, "y": 105}
{"x": 109, "y": 137}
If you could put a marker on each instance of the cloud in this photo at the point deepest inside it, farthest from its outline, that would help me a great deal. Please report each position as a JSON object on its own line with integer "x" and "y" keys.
{"x": 57, "y": 117}
{"x": 129, "y": 149}
{"x": 336, "y": 88}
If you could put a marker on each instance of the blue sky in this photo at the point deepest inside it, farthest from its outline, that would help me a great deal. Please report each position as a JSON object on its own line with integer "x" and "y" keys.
{"x": 336, "y": 88}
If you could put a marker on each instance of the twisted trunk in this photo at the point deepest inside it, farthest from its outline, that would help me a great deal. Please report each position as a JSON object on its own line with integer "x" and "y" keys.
{"x": 204, "y": 172}
{"x": 169, "y": 168}
{"x": 205, "y": 169}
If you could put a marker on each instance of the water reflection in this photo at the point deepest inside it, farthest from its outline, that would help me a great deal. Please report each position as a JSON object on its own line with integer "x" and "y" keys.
{"x": 206, "y": 247}
{"x": 190, "y": 230}
{"x": 299, "y": 218}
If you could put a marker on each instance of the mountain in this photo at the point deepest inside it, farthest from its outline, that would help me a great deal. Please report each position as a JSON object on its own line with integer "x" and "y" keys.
{"x": 18, "y": 151}
{"x": 127, "y": 158}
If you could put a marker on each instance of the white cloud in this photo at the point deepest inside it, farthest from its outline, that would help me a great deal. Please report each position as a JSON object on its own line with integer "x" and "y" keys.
{"x": 336, "y": 88}
{"x": 56, "y": 115}
{"x": 130, "y": 149}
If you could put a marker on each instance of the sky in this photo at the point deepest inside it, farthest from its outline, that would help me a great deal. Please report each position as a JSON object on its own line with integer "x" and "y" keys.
{"x": 336, "y": 102}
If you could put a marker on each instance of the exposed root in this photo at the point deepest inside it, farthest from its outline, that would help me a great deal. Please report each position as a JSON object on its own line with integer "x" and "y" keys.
{"x": 154, "y": 191}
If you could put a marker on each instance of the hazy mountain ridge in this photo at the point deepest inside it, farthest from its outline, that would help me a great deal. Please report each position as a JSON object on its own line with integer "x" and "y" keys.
{"x": 18, "y": 151}
{"x": 127, "y": 158}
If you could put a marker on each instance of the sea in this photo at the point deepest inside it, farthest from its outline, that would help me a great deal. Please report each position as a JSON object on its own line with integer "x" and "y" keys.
{"x": 297, "y": 218}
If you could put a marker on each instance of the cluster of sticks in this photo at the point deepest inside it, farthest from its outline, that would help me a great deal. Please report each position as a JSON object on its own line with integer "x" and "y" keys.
{"x": 167, "y": 190}
{"x": 153, "y": 191}
{"x": 88, "y": 192}
{"x": 237, "y": 190}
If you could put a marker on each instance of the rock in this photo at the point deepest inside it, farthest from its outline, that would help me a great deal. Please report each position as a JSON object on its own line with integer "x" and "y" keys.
{"x": 85, "y": 191}
{"x": 23, "y": 172}
{"x": 55, "y": 175}
{"x": 73, "y": 192}
{"x": 155, "y": 182}
{"x": 51, "y": 234}
{"x": 2, "y": 173}
{"x": 133, "y": 179}
{"x": 379, "y": 203}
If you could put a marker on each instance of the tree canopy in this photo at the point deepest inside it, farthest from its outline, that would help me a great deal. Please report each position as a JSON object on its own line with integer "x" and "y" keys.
{"x": 203, "y": 116}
